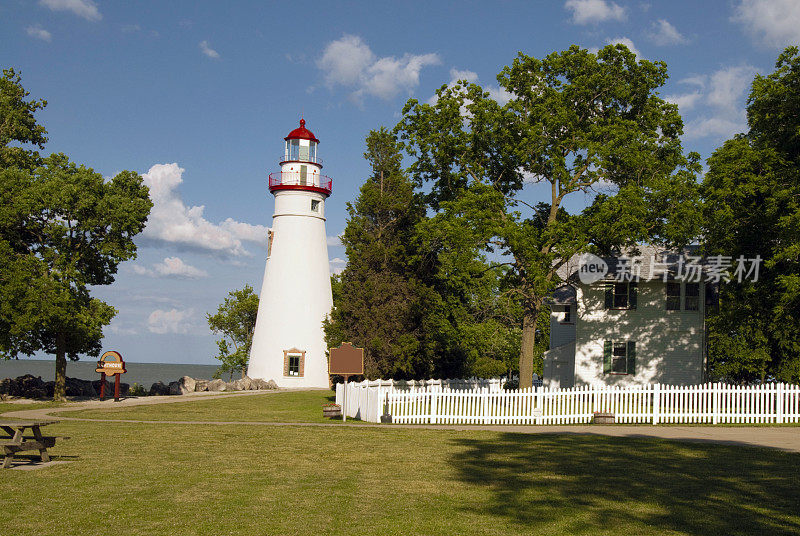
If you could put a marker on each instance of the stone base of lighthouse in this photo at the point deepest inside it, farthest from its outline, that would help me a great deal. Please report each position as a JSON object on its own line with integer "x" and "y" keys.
{"x": 288, "y": 341}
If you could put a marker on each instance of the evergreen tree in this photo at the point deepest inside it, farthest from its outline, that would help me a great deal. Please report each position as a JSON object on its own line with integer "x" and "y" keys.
{"x": 378, "y": 302}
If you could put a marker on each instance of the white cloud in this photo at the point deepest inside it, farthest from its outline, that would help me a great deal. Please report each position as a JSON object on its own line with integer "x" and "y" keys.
{"x": 334, "y": 241}
{"x": 349, "y": 62}
{"x": 117, "y": 327}
{"x": 594, "y": 11}
{"x": 663, "y": 33}
{"x": 722, "y": 96}
{"x": 773, "y": 23}
{"x": 206, "y": 49}
{"x": 727, "y": 86}
{"x": 345, "y": 60}
{"x": 171, "y": 222}
{"x": 686, "y": 101}
{"x": 337, "y": 265}
{"x": 172, "y": 321}
{"x": 83, "y": 8}
{"x": 627, "y": 42}
{"x": 37, "y": 32}
{"x": 171, "y": 267}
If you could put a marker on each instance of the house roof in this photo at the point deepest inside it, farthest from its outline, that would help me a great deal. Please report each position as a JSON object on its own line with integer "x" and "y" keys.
{"x": 650, "y": 262}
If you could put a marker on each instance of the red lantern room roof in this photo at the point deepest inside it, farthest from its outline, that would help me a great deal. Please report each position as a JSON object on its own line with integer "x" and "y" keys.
{"x": 301, "y": 133}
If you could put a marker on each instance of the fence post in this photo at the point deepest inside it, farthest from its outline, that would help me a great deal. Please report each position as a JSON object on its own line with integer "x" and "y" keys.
{"x": 539, "y": 405}
{"x": 656, "y": 403}
{"x": 779, "y": 403}
{"x": 714, "y": 404}
{"x": 434, "y": 400}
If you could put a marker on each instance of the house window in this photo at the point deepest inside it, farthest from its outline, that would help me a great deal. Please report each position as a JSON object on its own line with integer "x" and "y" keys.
{"x": 692, "y": 297}
{"x": 621, "y": 296}
{"x": 294, "y": 362}
{"x": 619, "y": 357}
{"x": 567, "y": 319}
{"x": 314, "y": 205}
{"x": 673, "y": 296}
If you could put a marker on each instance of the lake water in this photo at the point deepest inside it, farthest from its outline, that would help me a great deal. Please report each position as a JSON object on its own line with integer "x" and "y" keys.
{"x": 144, "y": 374}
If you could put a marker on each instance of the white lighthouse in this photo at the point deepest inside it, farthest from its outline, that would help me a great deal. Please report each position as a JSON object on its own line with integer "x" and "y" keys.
{"x": 289, "y": 341}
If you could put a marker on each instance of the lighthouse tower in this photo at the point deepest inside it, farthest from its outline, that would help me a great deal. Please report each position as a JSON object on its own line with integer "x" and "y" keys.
{"x": 289, "y": 341}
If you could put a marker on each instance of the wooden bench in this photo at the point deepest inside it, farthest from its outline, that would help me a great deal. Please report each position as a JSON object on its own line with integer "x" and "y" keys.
{"x": 16, "y": 441}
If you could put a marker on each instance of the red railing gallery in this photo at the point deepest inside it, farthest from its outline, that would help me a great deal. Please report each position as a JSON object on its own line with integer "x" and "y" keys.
{"x": 298, "y": 180}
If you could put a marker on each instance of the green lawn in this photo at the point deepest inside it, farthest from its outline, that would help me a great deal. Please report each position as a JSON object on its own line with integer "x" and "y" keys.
{"x": 143, "y": 479}
{"x": 297, "y": 406}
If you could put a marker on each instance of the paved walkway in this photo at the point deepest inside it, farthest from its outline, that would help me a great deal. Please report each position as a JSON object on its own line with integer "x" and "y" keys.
{"x": 777, "y": 437}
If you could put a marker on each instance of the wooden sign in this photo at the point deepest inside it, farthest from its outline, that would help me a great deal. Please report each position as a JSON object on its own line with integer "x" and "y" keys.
{"x": 110, "y": 363}
{"x": 346, "y": 360}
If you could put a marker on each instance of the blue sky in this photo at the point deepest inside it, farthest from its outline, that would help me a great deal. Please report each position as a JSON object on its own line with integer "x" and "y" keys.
{"x": 197, "y": 96}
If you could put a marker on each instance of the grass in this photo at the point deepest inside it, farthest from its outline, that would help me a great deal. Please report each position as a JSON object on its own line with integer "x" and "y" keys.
{"x": 298, "y": 406}
{"x": 241, "y": 479}
{"x": 25, "y": 405}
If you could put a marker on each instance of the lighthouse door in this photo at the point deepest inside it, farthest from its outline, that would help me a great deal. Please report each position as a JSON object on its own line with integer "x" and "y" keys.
{"x": 303, "y": 175}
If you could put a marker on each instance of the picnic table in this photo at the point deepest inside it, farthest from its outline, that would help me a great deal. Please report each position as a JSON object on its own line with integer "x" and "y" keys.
{"x": 17, "y": 441}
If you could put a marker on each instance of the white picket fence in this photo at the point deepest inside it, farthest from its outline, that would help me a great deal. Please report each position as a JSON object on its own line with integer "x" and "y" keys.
{"x": 438, "y": 404}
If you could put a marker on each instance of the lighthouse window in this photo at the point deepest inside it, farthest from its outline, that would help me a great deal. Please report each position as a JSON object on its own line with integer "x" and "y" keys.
{"x": 314, "y": 205}
{"x": 293, "y": 362}
{"x": 294, "y": 365}
{"x": 293, "y": 149}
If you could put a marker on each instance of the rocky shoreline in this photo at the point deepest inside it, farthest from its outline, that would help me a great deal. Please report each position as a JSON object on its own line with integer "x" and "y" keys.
{"x": 29, "y": 386}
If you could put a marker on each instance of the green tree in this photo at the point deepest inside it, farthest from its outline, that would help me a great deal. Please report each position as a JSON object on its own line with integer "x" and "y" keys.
{"x": 378, "y": 297}
{"x": 235, "y": 320}
{"x": 752, "y": 208}
{"x": 18, "y": 124}
{"x": 63, "y": 228}
{"x": 575, "y": 120}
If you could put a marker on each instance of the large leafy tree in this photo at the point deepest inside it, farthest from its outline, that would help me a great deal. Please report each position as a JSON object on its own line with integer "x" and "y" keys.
{"x": 63, "y": 228}
{"x": 752, "y": 194}
{"x": 235, "y": 320}
{"x": 575, "y": 121}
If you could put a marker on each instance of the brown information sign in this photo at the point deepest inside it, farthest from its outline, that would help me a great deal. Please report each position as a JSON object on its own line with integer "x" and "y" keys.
{"x": 346, "y": 360}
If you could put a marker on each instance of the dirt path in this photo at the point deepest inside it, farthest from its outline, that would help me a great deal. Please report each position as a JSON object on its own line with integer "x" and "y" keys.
{"x": 785, "y": 438}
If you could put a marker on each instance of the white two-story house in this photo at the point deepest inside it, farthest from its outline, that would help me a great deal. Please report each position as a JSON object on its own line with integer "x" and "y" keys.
{"x": 637, "y": 323}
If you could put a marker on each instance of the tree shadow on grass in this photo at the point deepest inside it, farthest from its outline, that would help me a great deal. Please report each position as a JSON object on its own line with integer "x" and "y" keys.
{"x": 588, "y": 484}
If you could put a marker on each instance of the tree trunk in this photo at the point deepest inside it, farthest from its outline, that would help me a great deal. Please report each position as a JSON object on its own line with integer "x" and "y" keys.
{"x": 527, "y": 349}
{"x": 60, "y": 388}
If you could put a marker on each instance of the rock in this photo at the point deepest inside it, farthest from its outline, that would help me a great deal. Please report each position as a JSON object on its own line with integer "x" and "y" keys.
{"x": 186, "y": 385}
{"x": 174, "y": 388}
{"x": 200, "y": 385}
{"x": 217, "y": 385}
{"x": 246, "y": 383}
{"x": 159, "y": 389}
{"x": 77, "y": 387}
{"x": 232, "y": 386}
{"x": 258, "y": 383}
{"x": 272, "y": 385}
